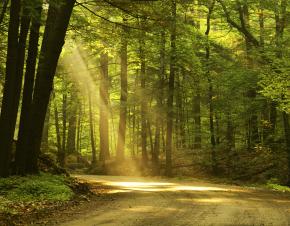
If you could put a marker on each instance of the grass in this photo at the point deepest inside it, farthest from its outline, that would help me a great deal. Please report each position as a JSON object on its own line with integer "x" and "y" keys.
{"x": 278, "y": 187}
{"x": 16, "y": 192}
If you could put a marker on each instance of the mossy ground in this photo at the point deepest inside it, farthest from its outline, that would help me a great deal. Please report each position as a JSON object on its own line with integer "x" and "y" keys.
{"x": 18, "y": 194}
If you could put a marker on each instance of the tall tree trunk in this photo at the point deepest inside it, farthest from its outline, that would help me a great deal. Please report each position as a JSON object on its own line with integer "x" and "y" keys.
{"x": 11, "y": 91}
{"x": 123, "y": 99}
{"x": 104, "y": 108}
{"x": 253, "y": 132}
{"x": 230, "y": 138}
{"x": 21, "y": 155}
{"x": 57, "y": 131}
{"x": 53, "y": 40}
{"x": 79, "y": 131}
{"x": 159, "y": 116}
{"x": 72, "y": 123}
{"x": 143, "y": 102}
{"x": 64, "y": 120}
{"x": 287, "y": 139}
{"x": 197, "y": 118}
{"x": 92, "y": 134}
{"x": 170, "y": 110}
{"x": 210, "y": 88}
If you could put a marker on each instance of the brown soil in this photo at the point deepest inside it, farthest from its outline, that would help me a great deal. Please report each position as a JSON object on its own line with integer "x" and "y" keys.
{"x": 140, "y": 201}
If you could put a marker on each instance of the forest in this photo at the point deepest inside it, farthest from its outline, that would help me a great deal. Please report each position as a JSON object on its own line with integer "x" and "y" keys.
{"x": 174, "y": 88}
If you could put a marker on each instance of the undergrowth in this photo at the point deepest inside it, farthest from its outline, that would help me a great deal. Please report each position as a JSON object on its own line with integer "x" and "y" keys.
{"x": 33, "y": 190}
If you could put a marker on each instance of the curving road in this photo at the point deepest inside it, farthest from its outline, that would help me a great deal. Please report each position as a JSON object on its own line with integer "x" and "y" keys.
{"x": 145, "y": 202}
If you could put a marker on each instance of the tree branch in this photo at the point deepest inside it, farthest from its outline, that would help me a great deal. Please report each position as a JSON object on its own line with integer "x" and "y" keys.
{"x": 241, "y": 28}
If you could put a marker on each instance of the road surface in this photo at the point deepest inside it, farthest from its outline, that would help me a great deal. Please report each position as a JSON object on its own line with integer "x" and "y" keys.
{"x": 148, "y": 202}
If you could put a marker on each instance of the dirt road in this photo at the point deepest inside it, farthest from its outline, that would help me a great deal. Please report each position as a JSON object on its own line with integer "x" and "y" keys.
{"x": 148, "y": 202}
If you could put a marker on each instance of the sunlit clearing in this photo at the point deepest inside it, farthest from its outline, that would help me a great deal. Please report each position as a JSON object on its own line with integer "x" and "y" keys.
{"x": 202, "y": 200}
{"x": 196, "y": 188}
{"x": 157, "y": 186}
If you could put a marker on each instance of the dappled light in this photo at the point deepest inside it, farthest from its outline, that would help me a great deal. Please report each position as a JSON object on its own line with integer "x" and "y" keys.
{"x": 144, "y": 112}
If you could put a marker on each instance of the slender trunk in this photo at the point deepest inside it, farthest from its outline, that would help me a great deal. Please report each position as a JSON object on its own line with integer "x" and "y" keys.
{"x": 143, "y": 103}
{"x": 230, "y": 137}
{"x": 150, "y": 137}
{"x": 287, "y": 139}
{"x": 57, "y": 130}
{"x": 210, "y": 88}
{"x": 93, "y": 146}
{"x": 123, "y": 99}
{"x": 170, "y": 111}
{"x": 104, "y": 109}
{"x": 11, "y": 91}
{"x": 159, "y": 116}
{"x": 217, "y": 130}
{"x": 72, "y": 123}
{"x": 64, "y": 119}
{"x": 79, "y": 131}
{"x": 197, "y": 118}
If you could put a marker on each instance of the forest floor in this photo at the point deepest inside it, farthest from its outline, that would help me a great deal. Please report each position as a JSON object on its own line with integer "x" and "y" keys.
{"x": 141, "y": 201}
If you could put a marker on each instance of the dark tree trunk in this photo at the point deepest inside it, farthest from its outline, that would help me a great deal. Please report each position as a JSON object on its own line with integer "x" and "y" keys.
{"x": 287, "y": 139}
{"x": 11, "y": 91}
{"x": 53, "y": 40}
{"x": 170, "y": 110}
{"x": 197, "y": 118}
{"x": 143, "y": 103}
{"x": 123, "y": 99}
{"x": 104, "y": 108}
{"x": 28, "y": 87}
{"x": 210, "y": 89}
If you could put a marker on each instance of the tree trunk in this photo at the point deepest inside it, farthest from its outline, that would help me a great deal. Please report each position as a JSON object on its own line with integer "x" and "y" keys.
{"x": 92, "y": 134}
{"x": 197, "y": 119}
{"x": 210, "y": 89}
{"x": 21, "y": 154}
{"x": 72, "y": 123}
{"x": 64, "y": 119}
{"x": 53, "y": 40}
{"x": 170, "y": 110}
{"x": 159, "y": 116}
{"x": 123, "y": 99}
{"x": 143, "y": 102}
{"x": 79, "y": 131}
{"x": 57, "y": 130}
{"x": 104, "y": 109}
{"x": 287, "y": 139}
{"x": 11, "y": 91}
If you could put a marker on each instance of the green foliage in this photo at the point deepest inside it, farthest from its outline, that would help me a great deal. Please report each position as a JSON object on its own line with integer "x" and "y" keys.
{"x": 40, "y": 188}
{"x": 273, "y": 184}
